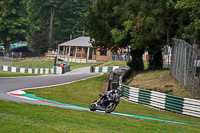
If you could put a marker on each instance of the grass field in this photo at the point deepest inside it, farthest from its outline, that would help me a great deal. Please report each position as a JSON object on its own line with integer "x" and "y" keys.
{"x": 12, "y": 74}
{"x": 23, "y": 118}
{"x": 119, "y": 63}
{"x": 113, "y": 63}
{"x": 82, "y": 93}
{"x": 43, "y": 63}
{"x": 161, "y": 81}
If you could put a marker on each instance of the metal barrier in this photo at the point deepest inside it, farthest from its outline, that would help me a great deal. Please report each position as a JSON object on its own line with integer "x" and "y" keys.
{"x": 184, "y": 65}
{"x": 6, "y": 61}
{"x": 121, "y": 57}
{"x": 163, "y": 101}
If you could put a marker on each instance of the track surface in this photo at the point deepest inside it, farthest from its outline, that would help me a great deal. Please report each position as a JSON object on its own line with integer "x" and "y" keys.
{"x": 9, "y": 84}
{"x": 14, "y": 85}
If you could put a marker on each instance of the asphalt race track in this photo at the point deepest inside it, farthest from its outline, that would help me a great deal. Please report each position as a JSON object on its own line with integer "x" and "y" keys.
{"x": 9, "y": 84}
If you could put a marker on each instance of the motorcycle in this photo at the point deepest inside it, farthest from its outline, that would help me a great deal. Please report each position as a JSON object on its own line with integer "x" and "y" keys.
{"x": 107, "y": 102}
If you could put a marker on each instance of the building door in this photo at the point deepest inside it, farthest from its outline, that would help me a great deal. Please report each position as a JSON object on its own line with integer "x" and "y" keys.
{"x": 90, "y": 54}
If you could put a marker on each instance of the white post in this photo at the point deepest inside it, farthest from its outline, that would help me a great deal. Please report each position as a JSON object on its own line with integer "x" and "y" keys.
{"x": 68, "y": 59}
{"x": 88, "y": 53}
{"x": 75, "y": 54}
{"x": 63, "y": 50}
{"x": 69, "y": 50}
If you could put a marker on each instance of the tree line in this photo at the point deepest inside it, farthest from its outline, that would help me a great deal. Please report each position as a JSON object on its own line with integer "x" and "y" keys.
{"x": 111, "y": 24}
{"x": 143, "y": 25}
{"x": 43, "y": 23}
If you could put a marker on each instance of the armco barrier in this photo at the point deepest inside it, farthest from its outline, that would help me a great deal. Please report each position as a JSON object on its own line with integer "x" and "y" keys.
{"x": 103, "y": 69}
{"x": 55, "y": 70}
{"x": 163, "y": 101}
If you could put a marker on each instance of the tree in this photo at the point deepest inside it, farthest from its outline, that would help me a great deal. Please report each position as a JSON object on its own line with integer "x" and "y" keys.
{"x": 100, "y": 21}
{"x": 13, "y": 22}
{"x": 64, "y": 17}
{"x": 40, "y": 40}
{"x": 44, "y": 9}
{"x": 192, "y": 30}
{"x": 141, "y": 24}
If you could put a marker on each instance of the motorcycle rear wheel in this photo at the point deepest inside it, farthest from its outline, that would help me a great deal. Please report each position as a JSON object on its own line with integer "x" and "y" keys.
{"x": 93, "y": 106}
{"x": 111, "y": 107}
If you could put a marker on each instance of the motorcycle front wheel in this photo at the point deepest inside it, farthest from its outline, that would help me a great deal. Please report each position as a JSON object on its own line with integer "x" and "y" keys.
{"x": 111, "y": 107}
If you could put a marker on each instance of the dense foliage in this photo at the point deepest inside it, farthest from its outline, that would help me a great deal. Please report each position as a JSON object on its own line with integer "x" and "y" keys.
{"x": 141, "y": 24}
{"x": 14, "y": 22}
{"x": 24, "y": 20}
{"x": 113, "y": 24}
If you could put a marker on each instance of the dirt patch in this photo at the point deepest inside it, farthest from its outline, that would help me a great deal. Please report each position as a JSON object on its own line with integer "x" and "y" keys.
{"x": 105, "y": 85}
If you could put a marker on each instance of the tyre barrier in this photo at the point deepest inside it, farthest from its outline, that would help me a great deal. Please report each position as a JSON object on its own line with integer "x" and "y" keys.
{"x": 103, "y": 69}
{"x": 163, "y": 101}
{"x": 116, "y": 77}
{"x": 55, "y": 70}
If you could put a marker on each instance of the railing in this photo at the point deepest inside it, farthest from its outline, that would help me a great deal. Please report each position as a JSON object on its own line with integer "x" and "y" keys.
{"x": 121, "y": 57}
{"x": 6, "y": 61}
{"x": 184, "y": 67}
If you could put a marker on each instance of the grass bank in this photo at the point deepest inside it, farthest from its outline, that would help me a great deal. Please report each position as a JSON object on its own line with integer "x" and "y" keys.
{"x": 114, "y": 63}
{"x": 120, "y": 63}
{"x": 82, "y": 93}
{"x": 44, "y": 63}
{"x": 16, "y": 74}
{"x": 21, "y": 117}
{"x": 161, "y": 81}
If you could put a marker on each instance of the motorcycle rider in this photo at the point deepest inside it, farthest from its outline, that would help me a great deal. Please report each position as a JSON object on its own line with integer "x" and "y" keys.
{"x": 105, "y": 96}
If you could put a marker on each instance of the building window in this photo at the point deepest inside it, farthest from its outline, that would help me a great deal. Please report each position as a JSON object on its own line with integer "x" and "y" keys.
{"x": 103, "y": 52}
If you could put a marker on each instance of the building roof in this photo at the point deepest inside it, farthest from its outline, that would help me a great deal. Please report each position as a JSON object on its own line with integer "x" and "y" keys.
{"x": 78, "y": 42}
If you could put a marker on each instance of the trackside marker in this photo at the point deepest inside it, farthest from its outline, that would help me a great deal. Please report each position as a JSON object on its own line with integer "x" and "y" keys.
{"x": 15, "y": 94}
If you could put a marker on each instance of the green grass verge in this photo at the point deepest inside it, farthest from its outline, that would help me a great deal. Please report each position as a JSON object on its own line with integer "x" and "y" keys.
{"x": 82, "y": 93}
{"x": 23, "y": 118}
{"x": 80, "y": 65}
{"x": 120, "y": 63}
{"x": 43, "y": 63}
{"x": 14, "y": 74}
{"x": 162, "y": 81}
{"x": 34, "y": 63}
{"x": 114, "y": 63}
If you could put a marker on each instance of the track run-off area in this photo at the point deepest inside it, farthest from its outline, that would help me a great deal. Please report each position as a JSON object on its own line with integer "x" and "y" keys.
{"x": 12, "y": 89}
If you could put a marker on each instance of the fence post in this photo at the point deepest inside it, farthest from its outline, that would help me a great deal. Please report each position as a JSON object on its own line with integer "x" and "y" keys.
{"x": 195, "y": 72}
{"x": 188, "y": 65}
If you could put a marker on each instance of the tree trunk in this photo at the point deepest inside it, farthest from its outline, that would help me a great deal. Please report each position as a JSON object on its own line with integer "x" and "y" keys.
{"x": 137, "y": 61}
{"x": 158, "y": 60}
{"x": 51, "y": 25}
{"x": 6, "y": 48}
